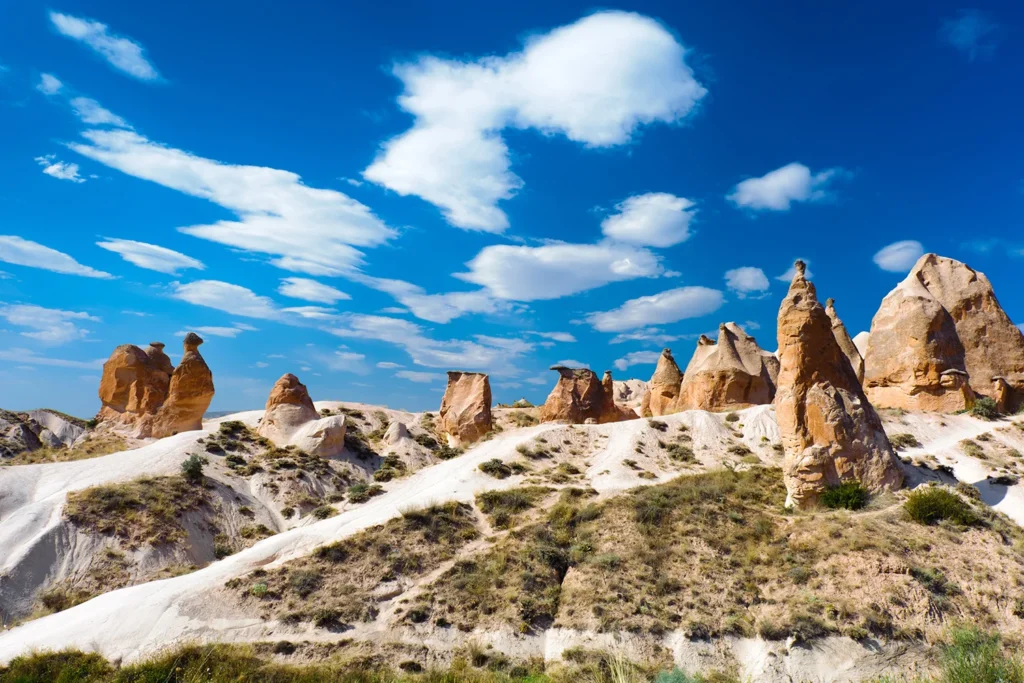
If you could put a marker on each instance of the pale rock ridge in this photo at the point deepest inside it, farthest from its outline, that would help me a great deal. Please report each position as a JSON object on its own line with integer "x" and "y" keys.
{"x": 579, "y": 397}
{"x": 465, "y": 408}
{"x": 35, "y": 429}
{"x": 291, "y": 419}
{"x": 732, "y": 373}
{"x": 830, "y": 432}
{"x": 662, "y": 395}
{"x": 843, "y": 339}
{"x": 939, "y": 339}
{"x": 141, "y": 391}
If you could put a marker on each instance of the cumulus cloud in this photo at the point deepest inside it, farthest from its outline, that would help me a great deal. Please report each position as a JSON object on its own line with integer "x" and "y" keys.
{"x": 594, "y": 81}
{"x": 22, "y": 252}
{"x": 973, "y": 33}
{"x": 307, "y": 230}
{"x": 899, "y": 257}
{"x": 656, "y": 219}
{"x": 93, "y": 113}
{"x": 123, "y": 53}
{"x": 48, "y": 325}
{"x": 310, "y": 290}
{"x": 59, "y": 169}
{"x": 421, "y": 377}
{"x": 151, "y": 256}
{"x": 554, "y": 270}
{"x": 778, "y": 189}
{"x": 746, "y": 281}
{"x": 49, "y": 84}
{"x": 637, "y": 358}
{"x": 665, "y": 307}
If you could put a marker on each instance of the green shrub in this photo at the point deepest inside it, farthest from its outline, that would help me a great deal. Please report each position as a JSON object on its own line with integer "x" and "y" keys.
{"x": 192, "y": 467}
{"x": 985, "y": 408}
{"x": 657, "y": 424}
{"x": 66, "y": 666}
{"x": 973, "y": 656}
{"x": 933, "y": 505}
{"x": 305, "y": 581}
{"x": 522, "y": 419}
{"x": 849, "y": 495}
{"x": 904, "y": 441}
{"x": 324, "y": 512}
{"x": 496, "y": 468}
{"x": 360, "y": 493}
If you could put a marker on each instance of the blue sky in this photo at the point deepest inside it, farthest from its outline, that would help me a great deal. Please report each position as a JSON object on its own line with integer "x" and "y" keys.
{"x": 370, "y": 195}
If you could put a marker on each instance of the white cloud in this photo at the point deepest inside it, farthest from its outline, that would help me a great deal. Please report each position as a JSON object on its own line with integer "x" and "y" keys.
{"x": 594, "y": 81}
{"x": 32, "y": 358}
{"x": 665, "y": 307}
{"x": 49, "y": 84}
{"x": 656, "y": 219}
{"x": 22, "y": 252}
{"x": 438, "y": 308}
{"x": 517, "y": 346}
{"x": 421, "y": 377}
{"x": 1021, "y": 327}
{"x": 308, "y": 230}
{"x": 558, "y": 269}
{"x": 899, "y": 257}
{"x": 569, "y": 363}
{"x": 777, "y": 189}
{"x": 790, "y": 272}
{"x": 973, "y": 33}
{"x": 124, "y": 54}
{"x": 151, "y": 256}
{"x": 49, "y": 325}
{"x": 751, "y": 325}
{"x": 310, "y": 290}
{"x": 385, "y": 365}
{"x": 650, "y": 335}
{"x": 746, "y": 280}
{"x": 59, "y": 169}
{"x": 224, "y": 296}
{"x": 539, "y": 380}
{"x": 563, "y": 337}
{"x": 214, "y": 331}
{"x": 91, "y": 112}
{"x": 261, "y": 364}
{"x": 345, "y": 361}
{"x": 637, "y": 358}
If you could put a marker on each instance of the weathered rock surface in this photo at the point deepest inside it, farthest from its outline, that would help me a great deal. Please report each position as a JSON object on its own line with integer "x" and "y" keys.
{"x": 732, "y": 372}
{"x": 630, "y": 392}
{"x": 662, "y": 396}
{"x": 142, "y": 392}
{"x": 939, "y": 339}
{"x": 579, "y": 396}
{"x": 28, "y": 431}
{"x": 291, "y": 419}
{"x": 830, "y": 432}
{"x": 843, "y": 339}
{"x": 465, "y": 408}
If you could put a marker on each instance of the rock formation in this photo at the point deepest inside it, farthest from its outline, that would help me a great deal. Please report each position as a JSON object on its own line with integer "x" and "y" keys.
{"x": 29, "y": 431}
{"x": 940, "y": 338}
{"x": 579, "y": 396}
{"x": 733, "y": 372}
{"x": 662, "y": 396}
{"x": 829, "y": 430}
{"x": 843, "y": 339}
{"x": 630, "y": 393}
{"x": 465, "y": 408}
{"x": 141, "y": 390}
{"x": 291, "y": 420}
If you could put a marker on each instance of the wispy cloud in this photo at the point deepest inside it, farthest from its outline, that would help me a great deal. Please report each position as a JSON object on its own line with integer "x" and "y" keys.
{"x": 151, "y": 256}
{"x": 310, "y": 290}
{"x": 59, "y": 169}
{"x": 665, "y": 307}
{"x": 49, "y": 84}
{"x": 899, "y": 257}
{"x": 973, "y": 32}
{"x": 637, "y": 358}
{"x": 22, "y": 252}
{"x": 420, "y": 377}
{"x": 48, "y": 325}
{"x": 123, "y": 53}
{"x": 30, "y": 357}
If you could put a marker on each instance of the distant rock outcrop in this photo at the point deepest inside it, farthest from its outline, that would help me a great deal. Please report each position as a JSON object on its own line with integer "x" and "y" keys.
{"x": 939, "y": 339}
{"x": 630, "y": 393}
{"x": 829, "y": 430}
{"x": 843, "y": 339}
{"x": 142, "y": 392}
{"x": 291, "y": 420}
{"x": 733, "y": 372}
{"x": 662, "y": 395}
{"x": 465, "y": 408}
{"x": 579, "y": 397}
{"x": 29, "y": 431}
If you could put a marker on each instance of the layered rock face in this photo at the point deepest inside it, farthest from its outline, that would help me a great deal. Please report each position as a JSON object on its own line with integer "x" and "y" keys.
{"x": 291, "y": 420}
{"x": 843, "y": 339}
{"x": 662, "y": 396}
{"x": 579, "y": 397}
{"x": 143, "y": 392}
{"x": 35, "y": 429}
{"x": 732, "y": 373}
{"x": 939, "y": 339}
{"x": 829, "y": 430}
{"x": 465, "y": 408}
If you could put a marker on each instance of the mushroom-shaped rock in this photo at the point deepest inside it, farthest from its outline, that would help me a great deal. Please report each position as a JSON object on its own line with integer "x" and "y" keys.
{"x": 830, "y": 432}
{"x": 942, "y": 324}
{"x": 189, "y": 394}
{"x": 844, "y": 340}
{"x": 291, "y": 419}
{"x": 579, "y": 396}
{"x": 733, "y": 372}
{"x": 465, "y": 408}
{"x": 662, "y": 396}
